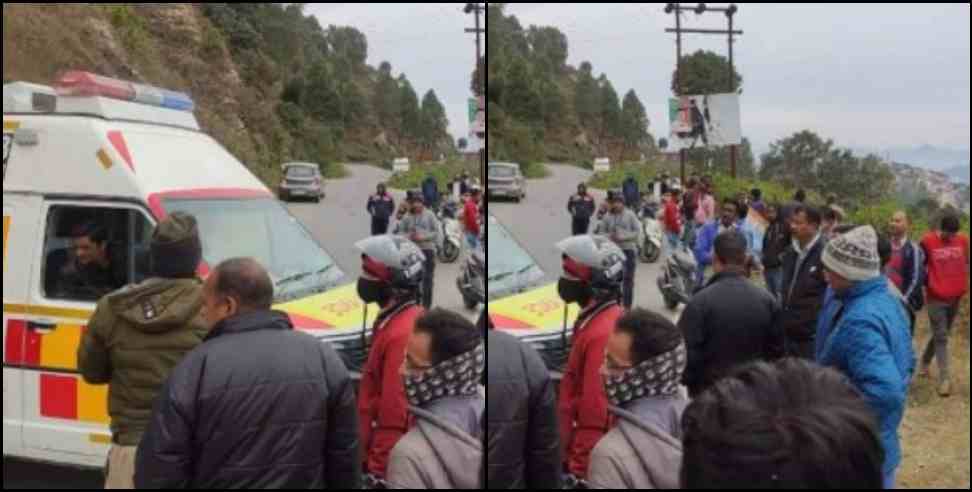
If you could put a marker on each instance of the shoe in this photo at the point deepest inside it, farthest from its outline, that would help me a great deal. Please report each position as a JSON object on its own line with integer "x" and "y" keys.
{"x": 925, "y": 372}
{"x": 945, "y": 389}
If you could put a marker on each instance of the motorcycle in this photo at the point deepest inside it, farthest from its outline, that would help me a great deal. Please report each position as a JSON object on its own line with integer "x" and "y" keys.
{"x": 652, "y": 236}
{"x": 451, "y": 247}
{"x": 677, "y": 281}
{"x": 472, "y": 281}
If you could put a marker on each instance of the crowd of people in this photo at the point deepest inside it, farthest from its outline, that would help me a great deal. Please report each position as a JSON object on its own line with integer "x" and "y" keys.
{"x": 789, "y": 367}
{"x": 210, "y": 387}
{"x": 417, "y": 220}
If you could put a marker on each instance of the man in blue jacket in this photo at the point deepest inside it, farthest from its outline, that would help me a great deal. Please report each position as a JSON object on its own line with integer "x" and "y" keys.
{"x": 863, "y": 332}
{"x": 705, "y": 241}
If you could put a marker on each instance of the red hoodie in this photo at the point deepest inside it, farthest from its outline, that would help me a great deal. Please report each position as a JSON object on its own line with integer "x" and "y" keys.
{"x": 584, "y": 417}
{"x": 471, "y": 217}
{"x": 673, "y": 219}
{"x": 382, "y": 406}
{"x": 948, "y": 267}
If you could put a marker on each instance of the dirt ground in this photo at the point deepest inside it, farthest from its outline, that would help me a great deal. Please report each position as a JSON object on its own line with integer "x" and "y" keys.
{"x": 935, "y": 432}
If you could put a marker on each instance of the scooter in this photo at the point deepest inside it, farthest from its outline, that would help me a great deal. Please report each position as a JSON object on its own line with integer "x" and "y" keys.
{"x": 652, "y": 235}
{"x": 451, "y": 247}
{"x": 677, "y": 281}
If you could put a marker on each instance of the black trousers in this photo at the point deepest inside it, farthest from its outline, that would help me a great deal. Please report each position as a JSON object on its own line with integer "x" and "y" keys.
{"x": 630, "y": 264}
{"x": 579, "y": 227}
{"x": 428, "y": 285}
{"x": 379, "y": 227}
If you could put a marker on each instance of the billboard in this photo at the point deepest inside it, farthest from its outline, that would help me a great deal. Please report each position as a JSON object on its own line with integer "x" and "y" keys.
{"x": 704, "y": 121}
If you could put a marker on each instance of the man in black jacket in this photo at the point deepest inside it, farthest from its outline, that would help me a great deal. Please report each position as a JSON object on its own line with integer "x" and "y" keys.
{"x": 775, "y": 242}
{"x": 381, "y": 206}
{"x": 256, "y": 406}
{"x": 523, "y": 442}
{"x": 730, "y": 322}
{"x": 581, "y": 208}
{"x": 804, "y": 286}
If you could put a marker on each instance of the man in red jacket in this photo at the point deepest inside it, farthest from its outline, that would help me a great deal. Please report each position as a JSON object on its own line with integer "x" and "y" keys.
{"x": 592, "y": 278}
{"x": 471, "y": 218}
{"x": 392, "y": 273}
{"x": 673, "y": 219}
{"x": 947, "y": 252}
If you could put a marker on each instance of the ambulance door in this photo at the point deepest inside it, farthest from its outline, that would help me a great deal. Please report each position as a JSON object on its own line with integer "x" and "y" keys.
{"x": 20, "y": 223}
{"x": 64, "y": 417}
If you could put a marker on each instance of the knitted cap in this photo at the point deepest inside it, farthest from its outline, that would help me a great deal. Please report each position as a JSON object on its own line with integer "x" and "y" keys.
{"x": 854, "y": 255}
{"x": 176, "y": 247}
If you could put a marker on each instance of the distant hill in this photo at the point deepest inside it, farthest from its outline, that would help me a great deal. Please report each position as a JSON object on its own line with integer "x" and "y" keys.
{"x": 959, "y": 173}
{"x": 925, "y": 157}
{"x": 913, "y": 184}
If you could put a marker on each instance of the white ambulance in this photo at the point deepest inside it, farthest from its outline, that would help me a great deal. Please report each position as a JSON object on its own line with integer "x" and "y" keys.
{"x": 94, "y": 150}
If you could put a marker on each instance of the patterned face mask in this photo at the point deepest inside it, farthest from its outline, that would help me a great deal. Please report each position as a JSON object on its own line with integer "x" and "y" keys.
{"x": 459, "y": 376}
{"x": 660, "y": 376}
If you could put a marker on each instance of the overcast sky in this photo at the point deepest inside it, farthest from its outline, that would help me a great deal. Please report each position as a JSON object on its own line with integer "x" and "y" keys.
{"x": 866, "y": 75}
{"x": 424, "y": 40}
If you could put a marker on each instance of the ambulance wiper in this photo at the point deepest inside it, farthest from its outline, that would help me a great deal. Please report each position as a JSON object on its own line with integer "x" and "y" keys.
{"x": 302, "y": 276}
{"x": 503, "y": 276}
{"x": 497, "y": 278}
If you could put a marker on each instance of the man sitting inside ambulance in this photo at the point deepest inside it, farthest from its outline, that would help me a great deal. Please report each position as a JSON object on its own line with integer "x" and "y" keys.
{"x": 91, "y": 275}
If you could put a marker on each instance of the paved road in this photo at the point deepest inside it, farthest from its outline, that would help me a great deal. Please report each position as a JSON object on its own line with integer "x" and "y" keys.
{"x": 541, "y": 221}
{"x": 340, "y": 220}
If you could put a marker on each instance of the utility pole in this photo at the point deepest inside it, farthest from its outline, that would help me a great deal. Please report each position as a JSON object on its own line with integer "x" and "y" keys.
{"x": 477, "y": 10}
{"x": 730, "y": 13}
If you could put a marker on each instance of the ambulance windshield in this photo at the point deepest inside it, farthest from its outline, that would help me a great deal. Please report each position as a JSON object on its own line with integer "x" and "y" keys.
{"x": 264, "y": 230}
{"x": 505, "y": 257}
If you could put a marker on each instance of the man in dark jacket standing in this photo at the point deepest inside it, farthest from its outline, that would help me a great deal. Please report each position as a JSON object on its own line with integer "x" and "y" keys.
{"x": 581, "y": 209}
{"x": 523, "y": 450}
{"x": 775, "y": 242}
{"x": 804, "y": 286}
{"x": 381, "y": 206}
{"x": 632, "y": 193}
{"x": 730, "y": 322}
{"x": 257, "y": 405}
{"x": 906, "y": 266}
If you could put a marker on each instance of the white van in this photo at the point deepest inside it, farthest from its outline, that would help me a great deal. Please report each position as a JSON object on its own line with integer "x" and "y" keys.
{"x": 122, "y": 156}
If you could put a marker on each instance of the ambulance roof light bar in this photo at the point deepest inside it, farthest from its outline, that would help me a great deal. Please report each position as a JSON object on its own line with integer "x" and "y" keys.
{"x": 85, "y": 84}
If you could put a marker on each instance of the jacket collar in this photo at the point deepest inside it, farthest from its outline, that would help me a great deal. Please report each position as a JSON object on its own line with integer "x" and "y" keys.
{"x": 724, "y": 275}
{"x": 813, "y": 244}
{"x": 863, "y": 289}
{"x": 249, "y": 322}
{"x": 393, "y": 310}
{"x": 591, "y": 312}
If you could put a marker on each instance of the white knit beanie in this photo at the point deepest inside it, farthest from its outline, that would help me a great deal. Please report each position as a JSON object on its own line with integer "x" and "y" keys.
{"x": 854, "y": 255}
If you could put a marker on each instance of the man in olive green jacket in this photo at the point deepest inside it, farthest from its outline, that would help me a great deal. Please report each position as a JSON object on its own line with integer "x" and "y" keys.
{"x": 139, "y": 334}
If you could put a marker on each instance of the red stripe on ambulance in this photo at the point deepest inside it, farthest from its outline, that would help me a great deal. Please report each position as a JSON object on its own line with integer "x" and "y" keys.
{"x": 23, "y": 345}
{"x": 59, "y": 397}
